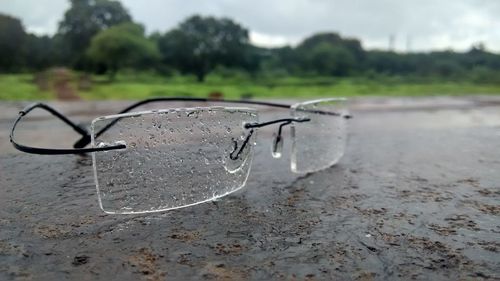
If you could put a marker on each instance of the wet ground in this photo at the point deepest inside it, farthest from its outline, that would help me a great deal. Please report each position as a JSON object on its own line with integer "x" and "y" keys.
{"x": 416, "y": 196}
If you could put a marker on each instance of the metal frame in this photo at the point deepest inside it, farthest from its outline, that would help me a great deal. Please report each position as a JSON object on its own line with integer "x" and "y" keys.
{"x": 49, "y": 151}
{"x": 86, "y": 137}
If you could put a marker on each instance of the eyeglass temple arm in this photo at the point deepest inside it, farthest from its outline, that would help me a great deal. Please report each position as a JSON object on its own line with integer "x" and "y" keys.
{"x": 48, "y": 151}
{"x": 83, "y": 143}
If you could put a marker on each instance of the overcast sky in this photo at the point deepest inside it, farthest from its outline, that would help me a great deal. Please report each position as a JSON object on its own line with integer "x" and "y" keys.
{"x": 415, "y": 25}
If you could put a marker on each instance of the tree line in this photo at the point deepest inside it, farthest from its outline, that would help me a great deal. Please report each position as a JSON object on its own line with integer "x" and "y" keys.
{"x": 100, "y": 36}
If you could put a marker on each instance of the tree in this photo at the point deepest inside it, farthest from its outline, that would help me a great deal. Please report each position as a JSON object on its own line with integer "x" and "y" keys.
{"x": 122, "y": 45}
{"x": 327, "y": 59}
{"x": 281, "y": 61}
{"x": 40, "y": 52}
{"x": 199, "y": 44}
{"x": 83, "y": 20}
{"x": 386, "y": 62}
{"x": 353, "y": 45}
{"x": 12, "y": 38}
{"x": 330, "y": 54}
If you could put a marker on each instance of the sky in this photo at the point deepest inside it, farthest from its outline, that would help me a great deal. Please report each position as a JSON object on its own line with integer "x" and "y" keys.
{"x": 418, "y": 25}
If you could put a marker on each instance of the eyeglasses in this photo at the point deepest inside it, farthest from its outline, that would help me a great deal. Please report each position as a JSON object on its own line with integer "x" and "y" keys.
{"x": 158, "y": 160}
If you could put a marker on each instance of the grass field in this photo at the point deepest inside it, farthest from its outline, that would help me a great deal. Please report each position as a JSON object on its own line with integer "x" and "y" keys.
{"x": 22, "y": 87}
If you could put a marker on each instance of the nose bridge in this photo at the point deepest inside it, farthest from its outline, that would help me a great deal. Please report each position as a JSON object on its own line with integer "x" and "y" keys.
{"x": 277, "y": 146}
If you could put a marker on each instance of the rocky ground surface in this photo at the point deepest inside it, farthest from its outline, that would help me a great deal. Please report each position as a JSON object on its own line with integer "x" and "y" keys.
{"x": 416, "y": 196}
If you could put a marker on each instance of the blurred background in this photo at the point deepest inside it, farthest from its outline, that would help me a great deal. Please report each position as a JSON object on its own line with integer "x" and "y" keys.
{"x": 130, "y": 49}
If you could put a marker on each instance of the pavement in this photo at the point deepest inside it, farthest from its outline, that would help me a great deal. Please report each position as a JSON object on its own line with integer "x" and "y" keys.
{"x": 416, "y": 196}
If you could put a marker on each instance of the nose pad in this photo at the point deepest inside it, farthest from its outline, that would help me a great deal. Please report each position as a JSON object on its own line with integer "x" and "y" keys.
{"x": 277, "y": 146}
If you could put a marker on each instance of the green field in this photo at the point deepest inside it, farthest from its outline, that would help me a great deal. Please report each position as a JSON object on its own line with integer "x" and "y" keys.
{"x": 138, "y": 86}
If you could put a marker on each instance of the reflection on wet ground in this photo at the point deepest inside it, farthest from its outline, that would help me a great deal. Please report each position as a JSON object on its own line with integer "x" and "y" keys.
{"x": 415, "y": 197}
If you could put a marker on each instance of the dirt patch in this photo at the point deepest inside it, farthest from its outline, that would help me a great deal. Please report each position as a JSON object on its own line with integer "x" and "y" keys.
{"x": 186, "y": 236}
{"x": 222, "y": 272}
{"x": 489, "y": 193}
{"x": 52, "y": 231}
{"x": 145, "y": 263}
{"x": 7, "y": 248}
{"x": 371, "y": 212}
{"x": 462, "y": 221}
{"x": 438, "y": 255}
{"x": 295, "y": 196}
{"x": 229, "y": 249}
{"x": 483, "y": 207}
{"x": 80, "y": 260}
{"x": 442, "y": 230}
{"x": 491, "y": 246}
{"x": 366, "y": 276}
{"x": 63, "y": 84}
{"x": 425, "y": 194}
{"x": 470, "y": 181}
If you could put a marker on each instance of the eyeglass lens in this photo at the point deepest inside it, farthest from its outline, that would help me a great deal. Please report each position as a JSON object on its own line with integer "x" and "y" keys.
{"x": 319, "y": 143}
{"x": 174, "y": 158}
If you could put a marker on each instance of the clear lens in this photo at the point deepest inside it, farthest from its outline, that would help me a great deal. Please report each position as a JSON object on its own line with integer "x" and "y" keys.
{"x": 174, "y": 158}
{"x": 319, "y": 143}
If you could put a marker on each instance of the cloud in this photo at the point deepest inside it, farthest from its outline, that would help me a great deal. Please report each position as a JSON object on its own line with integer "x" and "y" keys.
{"x": 266, "y": 40}
{"x": 40, "y": 17}
{"x": 419, "y": 25}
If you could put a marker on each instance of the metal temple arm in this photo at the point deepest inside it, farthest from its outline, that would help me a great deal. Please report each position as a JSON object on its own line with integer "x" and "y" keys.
{"x": 49, "y": 151}
{"x": 86, "y": 138}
